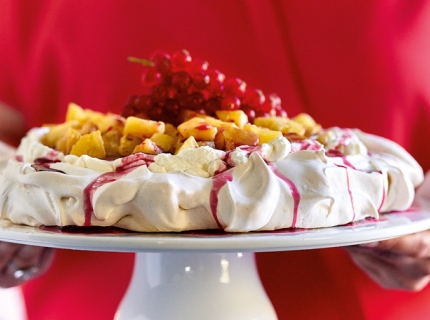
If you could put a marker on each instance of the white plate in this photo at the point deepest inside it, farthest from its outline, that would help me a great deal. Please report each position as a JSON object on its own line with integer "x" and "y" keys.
{"x": 390, "y": 226}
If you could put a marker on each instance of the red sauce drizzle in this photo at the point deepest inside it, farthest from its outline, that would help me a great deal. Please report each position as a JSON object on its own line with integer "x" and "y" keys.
{"x": 347, "y": 163}
{"x": 128, "y": 164}
{"x": 91, "y": 189}
{"x": 349, "y": 190}
{"x": 218, "y": 182}
{"x": 383, "y": 197}
{"x": 294, "y": 192}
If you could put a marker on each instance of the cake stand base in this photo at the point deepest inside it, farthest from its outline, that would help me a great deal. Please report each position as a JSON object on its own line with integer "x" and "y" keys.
{"x": 195, "y": 285}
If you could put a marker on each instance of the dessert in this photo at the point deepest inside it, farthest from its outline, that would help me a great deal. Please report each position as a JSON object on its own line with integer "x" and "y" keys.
{"x": 194, "y": 154}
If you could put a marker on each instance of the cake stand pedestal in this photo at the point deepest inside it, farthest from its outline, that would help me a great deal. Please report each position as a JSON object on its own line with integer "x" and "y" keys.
{"x": 195, "y": 285}
{"x": 209, "y": 275}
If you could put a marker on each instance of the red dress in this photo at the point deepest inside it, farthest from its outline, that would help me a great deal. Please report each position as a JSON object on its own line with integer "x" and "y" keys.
{"x": 347, "y": 63}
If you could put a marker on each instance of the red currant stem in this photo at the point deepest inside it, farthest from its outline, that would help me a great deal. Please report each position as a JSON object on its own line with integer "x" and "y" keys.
{"x": 146, "y": 63}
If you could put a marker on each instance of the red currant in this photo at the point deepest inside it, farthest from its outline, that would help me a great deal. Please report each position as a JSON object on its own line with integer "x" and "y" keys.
{"x": 230, "y": 103}
{"x": 235, "y": 87}
{"x": 150, "y": 77}
{"x": 216, "y": 79}
{"x": 197, "y": 66}
{"x": 181, "y": 80}
{"x": 251, "y": 114}
{"x": 212, "y": 105}
{"x": 180, "y": 60}
{"x": 193, "y": 101}
{"x": 162, "y": 63}
{"x": 201, "y": 80}
{"x": 253, "y": 97}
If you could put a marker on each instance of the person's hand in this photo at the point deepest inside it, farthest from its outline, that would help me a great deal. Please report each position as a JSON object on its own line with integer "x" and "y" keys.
{"x": 400, "y": 263}
{"x": 19, "y": 263}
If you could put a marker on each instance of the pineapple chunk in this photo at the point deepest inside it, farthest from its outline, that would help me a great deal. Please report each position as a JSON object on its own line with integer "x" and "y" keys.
{"x": 111, "y": 122}
{"x": 142, "y": 128}
{"x": 90, "y": 144}
{"x": 75, "y": 112}
{"x": 171, "y": 130}
{"x": 111, "y": 140}
{"x": 148, "y": 146}
{"x": 127, "y": 145}
{"x": 285, "y": 125}
{"x": 163, "y": 141}
{"x": 68, "y": 140}
{"x": 56, "y": 132}
{"x": 219, "y": 139}
{"x": 237, "y": 116}
{"x": 190, "y": 143}
{"x": 235, "y": 137}
{"x": 88, "y": 127}
{"x": 216, "y": 122}
{"x": 198, "y": 128}
{"x": 265, "y": 135}
{"x": 306, "y": 120}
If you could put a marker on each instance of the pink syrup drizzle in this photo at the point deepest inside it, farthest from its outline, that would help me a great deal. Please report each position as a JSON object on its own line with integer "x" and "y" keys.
{"x": 128, "y": 164}
{"x": 383, "y": 197}
{"x": 349, "y": 190}
{"x": 218, "y": 182}
{"x": 294, "y": 192}
{"x": 347, "y": 163}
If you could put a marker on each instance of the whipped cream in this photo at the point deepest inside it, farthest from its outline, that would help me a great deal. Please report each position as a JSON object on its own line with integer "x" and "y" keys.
{"x": 272, "y": 186}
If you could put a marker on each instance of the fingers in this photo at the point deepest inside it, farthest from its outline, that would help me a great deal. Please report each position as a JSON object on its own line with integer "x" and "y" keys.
{"x": 392, "y": 270}
{"x": 414, "y": 245}
{"x": 7, "y": 251}
{"x": 19, "y": 263}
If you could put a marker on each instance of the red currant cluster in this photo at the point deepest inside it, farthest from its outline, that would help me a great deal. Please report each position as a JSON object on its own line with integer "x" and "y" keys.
{"x": 173, "y": 83}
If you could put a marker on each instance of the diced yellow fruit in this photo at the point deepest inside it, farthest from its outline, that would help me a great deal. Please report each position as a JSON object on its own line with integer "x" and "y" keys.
{"x": 326, "y": 137}
{"x": 142, "y": 128}
{"x": 311, "y": 126}
{"x": 90, "y": 144}
{"x": 285, "y": 125}
{"x": 56, "y": 132}
{"x": 148, "y": 146}
{"x": 265, "y": 135}
{"x": 198, "y": 128}
{"x": 127, "y": 145}
{"x": 88, "y": 127}
{"x": 235, "y": 137}
{"x": 111, "y": 140}
{"x": 190, "y": 143}
{"x": 68, "y": 140}
{"x": 237, "y": 116}
{"x": 163, "y": 141}
{"x": 217, "y": 122}
{"x": 273, "y": 123}
{"x": 219, "y": 139}
{"x": 294, "y": 127}
{"x": 171, "y": 130}
{"x": 75, "y": 112}
{"x": 111, "y": 122}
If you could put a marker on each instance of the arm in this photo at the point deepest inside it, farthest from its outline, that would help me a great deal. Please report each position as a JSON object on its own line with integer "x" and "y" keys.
{"x": 19, "y": 263}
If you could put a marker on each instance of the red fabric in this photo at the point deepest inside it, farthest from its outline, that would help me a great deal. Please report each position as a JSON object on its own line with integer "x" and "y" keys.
{"x": 347, "y": 63}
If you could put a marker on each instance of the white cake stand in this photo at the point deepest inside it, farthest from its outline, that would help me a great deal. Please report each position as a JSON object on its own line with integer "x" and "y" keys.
{"x": 209, "y": 275}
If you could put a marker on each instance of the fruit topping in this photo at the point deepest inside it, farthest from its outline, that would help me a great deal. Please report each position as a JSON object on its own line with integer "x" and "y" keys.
{"x": 175, "y": 83}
